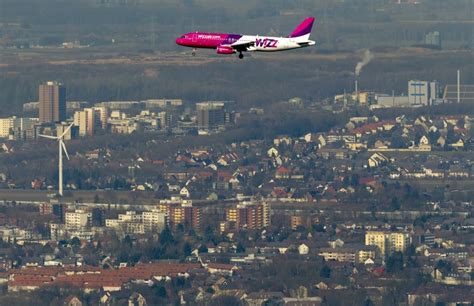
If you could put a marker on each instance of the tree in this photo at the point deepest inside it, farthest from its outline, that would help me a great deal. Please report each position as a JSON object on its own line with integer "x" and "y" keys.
{"x": 395, "y": 262}
{"x": 75, "y": 241}
{"x": 187, "y": 249}
{"x": 166, "y": 237}
{"x": 202, "y": 248}
{"x": 317, "y": 227}
{"x": 354, "y": 180}
{"x": 395, "y": 203}
{"x": 159, "y": 291}
{"x": 325, "y": 272}
{"x": 240, "y": 248}
{"x": 127, "y": 241}
{"x": 209, "y": 235}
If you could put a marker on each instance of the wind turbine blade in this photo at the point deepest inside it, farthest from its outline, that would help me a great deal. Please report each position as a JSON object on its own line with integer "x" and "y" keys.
{"x": 64, "y": 149}
{"x": 66, "y": 130}
{"x": 47, "y": 136}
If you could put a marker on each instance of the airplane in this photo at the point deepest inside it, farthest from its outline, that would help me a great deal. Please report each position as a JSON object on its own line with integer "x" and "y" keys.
{"x": 235, "y": 43}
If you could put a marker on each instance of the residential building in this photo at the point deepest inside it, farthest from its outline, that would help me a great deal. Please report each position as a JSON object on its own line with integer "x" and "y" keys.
{"x": 134, "y": 223}
{"x": 356, "y": 255}
{"x": 78, "y": 219}
{"x": 388, "y": 242}
{"x": 296, "y": 221}
{"x": 102, "y": 113}
{"x": 15, "y": 127}
{"x": 166, "y": 120}
{"x": 89, "y": 120}
{"x": 182, "y": 213}
{"x": 249, "y": 215}
{"x": 70, "y": 132}
{"x": 377, "y": 159}
{"x": 154, "y": 220}
{"x": 52, "y": 102}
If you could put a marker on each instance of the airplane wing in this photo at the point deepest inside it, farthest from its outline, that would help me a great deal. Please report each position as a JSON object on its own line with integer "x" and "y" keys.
{"x": 242, "y": 46}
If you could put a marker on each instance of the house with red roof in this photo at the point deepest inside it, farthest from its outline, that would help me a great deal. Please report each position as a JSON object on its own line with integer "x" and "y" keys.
{"x": 282, "y": 173}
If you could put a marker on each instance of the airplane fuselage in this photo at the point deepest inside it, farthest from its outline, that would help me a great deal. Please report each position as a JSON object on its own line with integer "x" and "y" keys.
{"x": 258, "y": 43}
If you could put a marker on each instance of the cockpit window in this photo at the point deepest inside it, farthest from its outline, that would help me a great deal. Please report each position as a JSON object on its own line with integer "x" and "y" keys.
{"x": 182, "y": 36}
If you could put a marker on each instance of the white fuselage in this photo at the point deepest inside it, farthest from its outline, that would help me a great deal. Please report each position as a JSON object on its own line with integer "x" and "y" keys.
{"x": 271, "y": 44}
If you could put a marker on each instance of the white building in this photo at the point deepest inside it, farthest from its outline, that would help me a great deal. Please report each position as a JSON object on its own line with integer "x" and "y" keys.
{"x": 133, "y": 223}
{"x": 154, "y": 220}
{"x": 78, "y": 219}
{"x": 12, "y": 125}
{"x": 422, "y": 93}
{"x": 388, "y": 242}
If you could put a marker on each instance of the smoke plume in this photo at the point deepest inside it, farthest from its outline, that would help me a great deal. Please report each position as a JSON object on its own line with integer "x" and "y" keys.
{"x": 368, "y": 56}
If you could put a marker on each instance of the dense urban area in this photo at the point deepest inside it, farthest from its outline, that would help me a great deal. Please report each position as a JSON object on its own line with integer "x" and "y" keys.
{"x": 133, "y": 173}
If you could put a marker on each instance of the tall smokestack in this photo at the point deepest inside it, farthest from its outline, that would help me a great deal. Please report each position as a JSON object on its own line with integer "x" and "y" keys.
{"x": 459, "y": 86}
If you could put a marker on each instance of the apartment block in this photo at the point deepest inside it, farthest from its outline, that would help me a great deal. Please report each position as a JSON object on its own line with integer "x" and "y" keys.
{"x": 181, "y": 212}
{"x": 77, "y": 219}
{"x": 134, "y": 223}
{"x": 249, "y": 215}
{"x": 388, "y": 242}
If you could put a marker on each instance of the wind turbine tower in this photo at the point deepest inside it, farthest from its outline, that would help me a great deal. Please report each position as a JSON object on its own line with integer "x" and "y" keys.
{"x": 61, "y": 147}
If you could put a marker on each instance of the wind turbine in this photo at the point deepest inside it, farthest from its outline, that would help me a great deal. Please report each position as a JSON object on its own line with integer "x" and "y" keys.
{"x": 62, "y": 147}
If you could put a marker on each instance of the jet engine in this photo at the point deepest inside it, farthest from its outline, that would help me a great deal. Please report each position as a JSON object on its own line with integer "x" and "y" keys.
{"x": 225, "y": 50}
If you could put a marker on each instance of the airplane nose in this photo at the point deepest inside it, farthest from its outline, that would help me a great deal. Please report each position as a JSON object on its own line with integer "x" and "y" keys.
{"x": 179, "y": 41}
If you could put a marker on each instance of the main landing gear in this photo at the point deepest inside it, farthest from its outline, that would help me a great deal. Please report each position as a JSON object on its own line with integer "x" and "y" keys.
{"x": 241, "y": 56}
{"x": 193, "y": 52}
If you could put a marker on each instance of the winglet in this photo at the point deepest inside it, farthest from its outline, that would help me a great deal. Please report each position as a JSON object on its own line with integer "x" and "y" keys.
{"x": 303, "y": 28}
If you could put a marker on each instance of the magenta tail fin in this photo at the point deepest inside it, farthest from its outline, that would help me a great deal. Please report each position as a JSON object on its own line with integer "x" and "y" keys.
{"x": 303, "y": 28}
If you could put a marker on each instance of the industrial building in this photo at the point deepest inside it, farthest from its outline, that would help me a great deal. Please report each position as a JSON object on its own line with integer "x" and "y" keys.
{"x": 210, "y": 115}
{"x": 466, "y": 93}
{"x": 420, "y": 93}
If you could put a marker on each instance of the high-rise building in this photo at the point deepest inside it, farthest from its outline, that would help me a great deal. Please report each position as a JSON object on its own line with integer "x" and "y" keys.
{"x": 78, "y": 219}
{"x": 388, "y": 242}
{"x": 181, "y": 213}
{"x": 166, "y": 120}
{"x": 103, "y": 114}
{"x": 52, "y": 102}
{"x": 71, "y": 133}
{"x": 89, "y": 120}
{"x": 154, "y": 220}
{"x": 296, "y": 221}
{"x": 249, "y": 215}
{"x": 210, "y": 115}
